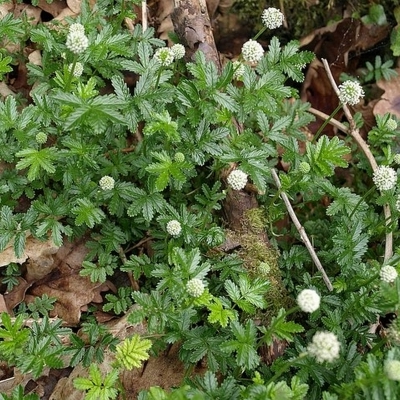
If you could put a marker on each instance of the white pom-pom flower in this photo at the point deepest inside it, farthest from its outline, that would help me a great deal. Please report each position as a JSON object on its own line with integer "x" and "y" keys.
{"x": 107, "y": 182}
{"x": 396, "y": 158}
{"x": 237, "y": 179}
{"x": 350, "y": 92}
{"x": 392, "y": 369}
{"x": 78, "y": 69}
{"x": 388, "y": 273}
{"x": 77, "y": 28}
{"x": 164, "y": 56}
{"x": 178, "y": 51}
{"x": 391, "y": 124}
{"x": 174, "y": 228}
{"x": 77, "y": 42}
{"x": 384, "y": 177}
{"x": 308, "y": 300}
{"x": 238, "y": 70}
{"x": 195, "y": 287}
{"x": 252, "y": 51}
{"x": 324, "y": 346}
{"x": 272, "y": 18}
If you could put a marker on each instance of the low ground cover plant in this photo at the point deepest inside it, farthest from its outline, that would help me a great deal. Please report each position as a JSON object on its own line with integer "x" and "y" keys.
{"x": 242, "y": 243}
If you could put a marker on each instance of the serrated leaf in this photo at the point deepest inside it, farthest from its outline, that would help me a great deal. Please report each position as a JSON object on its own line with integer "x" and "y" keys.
{"x": 132, "y": 351}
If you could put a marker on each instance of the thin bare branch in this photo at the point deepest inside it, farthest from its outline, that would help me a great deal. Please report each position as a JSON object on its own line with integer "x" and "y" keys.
{"x": 144, "y": 15}
{"x": 301, "y": 231}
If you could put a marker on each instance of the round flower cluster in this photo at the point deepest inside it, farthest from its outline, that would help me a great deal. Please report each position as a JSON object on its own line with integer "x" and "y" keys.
{"x": 237, "y": 179}
{"x": 252, "y": 51}
{"x": 304, "y": 167}
{"x": 174, "y": 228}
{"x": 238, "y": 70}
{"x": 41, "y": 138}
{"x": 396, "y": 158}
{"x": 391, "y": 124}
{"x": 195, "y": 287}
{"x": 384, "y": 177}
{"x": 272, "y": 18}
{"x": 388, "y": 273}
{"x": 107, "y": 182}
{"x": 308, "y": 300}
{"x": 179, "y": 157}
{"x": 77, "y": 41}
{"x": 350, "y": 92}
{"x": 324, "y": 347}
{"x": 164, "y": 56}
{"x": 178, "y": 51}
{"x": 392, "y": 369}
{"x": 78, "y": 69}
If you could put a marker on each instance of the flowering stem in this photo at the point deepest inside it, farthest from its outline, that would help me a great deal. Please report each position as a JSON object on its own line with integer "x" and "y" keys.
{"x": 71, "y": 73}
{"x": 326, "y": 122}
{"x": 285, "y": 367}
{"x": 260, "y": 33}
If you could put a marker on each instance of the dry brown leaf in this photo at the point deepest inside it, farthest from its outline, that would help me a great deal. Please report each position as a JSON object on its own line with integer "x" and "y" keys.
{"x": 54, "y": 8}
{"x": 390, "y": 100}
{"x": 3, "y": 306}
{"x": 75, "y": 5}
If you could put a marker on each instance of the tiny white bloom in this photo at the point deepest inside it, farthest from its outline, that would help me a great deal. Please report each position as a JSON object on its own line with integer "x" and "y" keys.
{"x": 178, "y": 51}
{"x": 388, "y": 273}
{"x": 324, "y": 347}
{"x": 237, "y": 179}
{"x": 252, "y": 51}
{"x": 107, "y": 182}
{"x": 238, "y": 70}
{"x": 391, "y": 124}
{"x": 77, "y": 42}
{"x": 392, "y": 369}
{"x": 174, "y": 228}
{"x": 195, "y": 287}
{"x": 164, "y": 56}
{"x": 350, "y": 92}
{"x": 308, "y": 300}
{"x": 272, "y": 18}
{"x": 396, "y": 158}
{"x": 384, "y": 177}
{"x": 78, "y": 69}
{"x": 77, "y": 27}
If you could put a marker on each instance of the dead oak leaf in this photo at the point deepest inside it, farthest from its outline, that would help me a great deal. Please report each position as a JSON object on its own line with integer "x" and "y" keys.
{"x": 390, "y": 99}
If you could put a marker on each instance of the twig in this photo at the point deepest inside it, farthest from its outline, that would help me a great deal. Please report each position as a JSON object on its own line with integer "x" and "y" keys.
{"x": 355, "y": 134}
{"x": 301, "y": 231}
{"x": 144, "y": 15}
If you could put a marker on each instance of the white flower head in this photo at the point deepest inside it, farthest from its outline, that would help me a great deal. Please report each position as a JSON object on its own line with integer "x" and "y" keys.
{"x": 164, "y": 56}
{"x": 272, "y": 18}
{"x": 308, "y": 300}
{"x": 392, "y": 369}
{"x": 78, "y": 69}
{"x": 178, "y": 51}
{"x": 388, "y": 273}
{"x": 396, "y": 158}
{"x": 77, "y": 27}
{"x": 237, "y": 179}
{"x": 324, "y": 346}
{"x": 252, "y": 51}
{"x": 384, "y": 177}
{"x": 391, "y": 124}
{"x": 195, "y": 287}
{"x": 350, "y": 92}
{"x": 77, "y": 42}
{"x": 107, "y": 183}
{"x": 174, "y": 228}
{"x": 238, "y": 70}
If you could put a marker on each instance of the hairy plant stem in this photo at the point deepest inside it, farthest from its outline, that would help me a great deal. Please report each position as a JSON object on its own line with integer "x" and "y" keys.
{"x": 301, "y": 231}
{"x": 285, "y": 367}
{"x": 326, "y": 122}
{"x": 355, "y": 134}
{"x": 71, "y": 73}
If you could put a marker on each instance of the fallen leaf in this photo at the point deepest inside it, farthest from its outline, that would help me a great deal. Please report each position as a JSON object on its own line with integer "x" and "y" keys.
{"x": 390, "y": 99}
